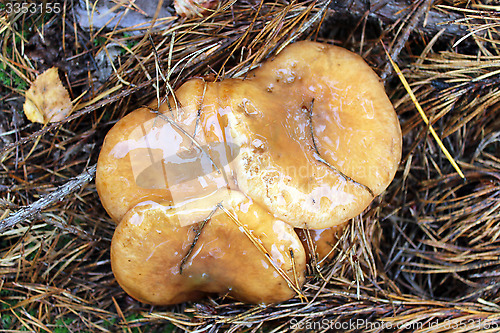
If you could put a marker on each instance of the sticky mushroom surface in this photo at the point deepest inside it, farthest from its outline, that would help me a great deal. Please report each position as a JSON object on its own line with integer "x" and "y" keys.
{"x": 155, "y": 259}
{"x": 207, "y": 187}
{"x": 161, "y": 155}
{"x": 319, "y": 137}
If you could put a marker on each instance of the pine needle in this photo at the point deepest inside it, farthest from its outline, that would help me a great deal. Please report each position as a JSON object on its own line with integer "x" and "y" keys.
{"x": 423, "y": 115}
{"x": 255, "y": 241}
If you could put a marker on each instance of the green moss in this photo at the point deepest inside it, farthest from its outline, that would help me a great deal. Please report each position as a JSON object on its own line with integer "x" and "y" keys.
{"x": 99, "y": 41}
{"x": 133, "y": 317}
{"x": 25, "y": 29}
{"x": 6, "y": 321}
{"x": 10, "y": 79}
{"x": 131, "y": 43}
{"x": 61, "y": 325}
{"x": 19, "y": 83}
{"x": 109, "y": 323}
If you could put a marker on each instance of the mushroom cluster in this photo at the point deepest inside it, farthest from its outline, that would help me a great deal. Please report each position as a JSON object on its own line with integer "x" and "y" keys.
{"x": 211, "y": 188}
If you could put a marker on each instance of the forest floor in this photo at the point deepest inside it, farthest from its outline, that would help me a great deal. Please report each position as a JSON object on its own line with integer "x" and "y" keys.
{"x": 424, "y": 257}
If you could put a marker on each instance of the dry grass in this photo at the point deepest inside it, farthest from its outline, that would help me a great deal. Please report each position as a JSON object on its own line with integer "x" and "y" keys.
{"x": 426, "y": 253}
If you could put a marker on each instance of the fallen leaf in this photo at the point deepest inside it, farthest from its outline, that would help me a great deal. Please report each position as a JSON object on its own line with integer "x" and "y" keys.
{"x": 192, "y": 8}
{"x": 47, "y": 100}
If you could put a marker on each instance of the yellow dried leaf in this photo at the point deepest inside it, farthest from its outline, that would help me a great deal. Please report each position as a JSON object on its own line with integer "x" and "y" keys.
{"x": 47, "y": 100}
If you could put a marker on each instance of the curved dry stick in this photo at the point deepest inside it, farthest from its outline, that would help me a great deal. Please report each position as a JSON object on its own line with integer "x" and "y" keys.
{"x": 405, "y": 35}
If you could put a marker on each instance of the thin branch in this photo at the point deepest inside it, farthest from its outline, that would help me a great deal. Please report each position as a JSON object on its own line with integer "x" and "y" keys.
{"x": 389, "y": 12}
{"x": 28, "y": 211}
{"x": 405, "y": 35}
{"x": 197, "y": 236}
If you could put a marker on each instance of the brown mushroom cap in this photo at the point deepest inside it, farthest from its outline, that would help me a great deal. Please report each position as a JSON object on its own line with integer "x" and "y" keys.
{"x": 151, "y": 242}
{"x": 319, "y": 138}
{"x": 306, "y": 140}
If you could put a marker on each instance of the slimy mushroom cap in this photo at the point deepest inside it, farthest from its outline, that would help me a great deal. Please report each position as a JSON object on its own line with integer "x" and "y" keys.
{"x": 207, "y": 187}
{"x": 156, "y": 259}
{"x": 319, "y": 138}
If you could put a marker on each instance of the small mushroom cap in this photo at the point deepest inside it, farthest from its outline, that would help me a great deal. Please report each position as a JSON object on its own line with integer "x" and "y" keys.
{"x": 319, "y": 243}
{"x": 150, "y": 244}
{"x": 319, "y": 137}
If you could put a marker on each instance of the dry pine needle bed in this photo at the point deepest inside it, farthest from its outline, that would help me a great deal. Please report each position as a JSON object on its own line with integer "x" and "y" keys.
{"x": 424, "y": 257}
